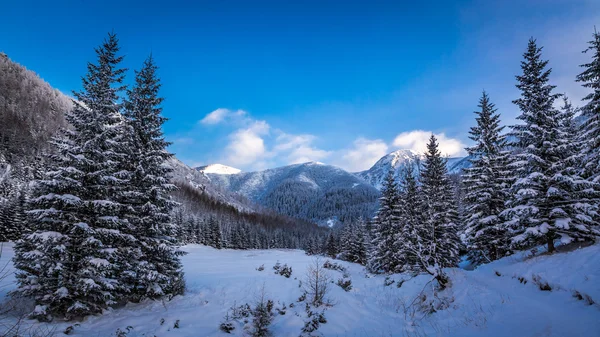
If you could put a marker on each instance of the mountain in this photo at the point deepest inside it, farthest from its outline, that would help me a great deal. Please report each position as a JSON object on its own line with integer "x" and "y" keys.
{"x": 311, "y": 191}
{"x": 399, "y": 160}
{"x": 31, "y": 113}
{"x": 218, "y": 169}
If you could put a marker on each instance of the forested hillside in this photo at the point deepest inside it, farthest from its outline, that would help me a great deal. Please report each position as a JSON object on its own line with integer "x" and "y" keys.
{"x": 309, "y": 191}
{"x": 32, "y": 112}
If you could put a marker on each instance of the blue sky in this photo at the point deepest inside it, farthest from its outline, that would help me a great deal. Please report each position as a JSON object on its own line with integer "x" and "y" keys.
{"x": 257, "y": 84}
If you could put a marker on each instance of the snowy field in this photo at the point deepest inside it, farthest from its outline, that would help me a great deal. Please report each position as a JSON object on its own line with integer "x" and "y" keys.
{"x": 489, "y": 301}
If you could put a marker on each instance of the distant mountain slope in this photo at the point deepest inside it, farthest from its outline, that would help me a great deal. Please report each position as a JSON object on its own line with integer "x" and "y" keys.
{"x": 399, "y": 160}
{"x": 310, "y": 191}
{"x": 185, "y": 174}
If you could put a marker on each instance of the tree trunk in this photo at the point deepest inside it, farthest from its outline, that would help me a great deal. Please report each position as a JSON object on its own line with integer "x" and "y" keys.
{"x": 550, "y": 244}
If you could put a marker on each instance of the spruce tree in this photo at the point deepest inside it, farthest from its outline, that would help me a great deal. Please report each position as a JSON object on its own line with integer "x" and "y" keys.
{"x": 439, "y": 243}
{"x": 69, "y": 263}
{"x": 485, "y": 184}
{"x": 548, "y": 200}
{"x": 159, "y": 271}
{"x": 331, "y": 246}
{"x": 385, "y": 227}
{"x": 590, "y": 78}
{"x": 411, "y": 220}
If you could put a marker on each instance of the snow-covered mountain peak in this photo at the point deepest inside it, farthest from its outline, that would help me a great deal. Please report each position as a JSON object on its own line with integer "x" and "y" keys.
{"x": 218, "y": 169}
{"x": 398, "y": 160}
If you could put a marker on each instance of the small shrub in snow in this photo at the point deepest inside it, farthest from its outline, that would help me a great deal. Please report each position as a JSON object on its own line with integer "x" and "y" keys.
{"x": 281, "y": 311}
{"x": 262, "y": 317}
{"x": 242, "y": 311}
{"x": 277, "y": 267}
{"x": 302, "y": 297}
{"x": 334, "y": 266}
{"x": 285, "y": 271}
{"x": 541, "y": 283}
{"x": 345, "y": 284}
{"x": 227, "y": 325}
{"x": 68, "y": 330}
{"x": 261, "y": 267}
{"x": 317, "y": 282}
{"x": 313, "y": 321}
{"x": 582, "y": 297}
{"x": 123, "y": 333}
{"x": 388, "y": 281}
{"x": 176, "y": 325}
{"x": 400, "y": 283}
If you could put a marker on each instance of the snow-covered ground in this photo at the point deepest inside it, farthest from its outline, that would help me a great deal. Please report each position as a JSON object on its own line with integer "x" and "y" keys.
{"x": 489, "y": 301}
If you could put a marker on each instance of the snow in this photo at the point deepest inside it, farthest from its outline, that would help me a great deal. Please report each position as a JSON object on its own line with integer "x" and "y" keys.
{"x": 484, "y": 304}
{"x": 218, "y": 169}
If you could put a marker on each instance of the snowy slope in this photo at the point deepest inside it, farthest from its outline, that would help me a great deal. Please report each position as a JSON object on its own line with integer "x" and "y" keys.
{"x": 310, "y": 191}
{"x": 399, "y": 160}
{"x": 218, "y": 169}
{"x": 481, "y": 302}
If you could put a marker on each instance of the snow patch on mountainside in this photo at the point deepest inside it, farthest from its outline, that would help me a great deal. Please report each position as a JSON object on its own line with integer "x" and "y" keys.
{"x": 183, "y": 173}
{"x": 218, "y": 169}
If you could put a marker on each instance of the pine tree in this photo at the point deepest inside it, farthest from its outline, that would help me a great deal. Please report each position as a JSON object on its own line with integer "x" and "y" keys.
{"x": 159, "y": 271}
{"x": 331, "y": 246}
{"x": 438, "y": 243}
{"x": 385, "y": 227}
{"x": 486, "y": 183}
{"x": 69, "y": 264}
{"x": 590, "y": 78}
{"x": 216, "y": 237}
{"x": 548, "y": 200}
{"x": 411, "y": 219}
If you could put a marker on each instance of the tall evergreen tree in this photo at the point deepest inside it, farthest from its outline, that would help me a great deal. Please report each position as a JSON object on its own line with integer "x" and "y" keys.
{"x": 411, "y": 220}
{"x": 486, "y": 183}
{"x": 159, "y": 272}
{"x": 590, "y": 78}
{"x": 439, "y": 243}
{"x": 331, "y": 247}
{"x": 547, "y": 200}
{"x": 385, "y": 227}
{"x": 70, "y": 262}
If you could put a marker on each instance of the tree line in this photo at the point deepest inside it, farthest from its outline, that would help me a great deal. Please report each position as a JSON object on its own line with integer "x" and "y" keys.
{"x": 534, "y": 185}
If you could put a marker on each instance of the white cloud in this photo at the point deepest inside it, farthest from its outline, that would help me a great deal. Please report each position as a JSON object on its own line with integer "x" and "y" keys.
{"x": 299, "y": 148}
{"x": 220, "y": 115}
{"x": 416, "y": 140}
{"x": 362, "y": 155}
{"x": 246, "y": 146}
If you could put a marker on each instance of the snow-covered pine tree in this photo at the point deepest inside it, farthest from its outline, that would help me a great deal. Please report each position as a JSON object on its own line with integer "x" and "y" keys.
{"x": 411, "y": 220}
{"x": 582, "y": 194}
{"x": 159, "y": 271}
{"x": 486, "y": 183}
{"x": 590, "y": 78}
{"x": 352, "y": 242}
{"x": 386, "y": 225}
{"x": 331, "y": 247}
{"x": 548, "y": 200}
{"x": 439, "y": 242}
{"x": 216, "y": 238}
{"x": 69, "y": 263}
